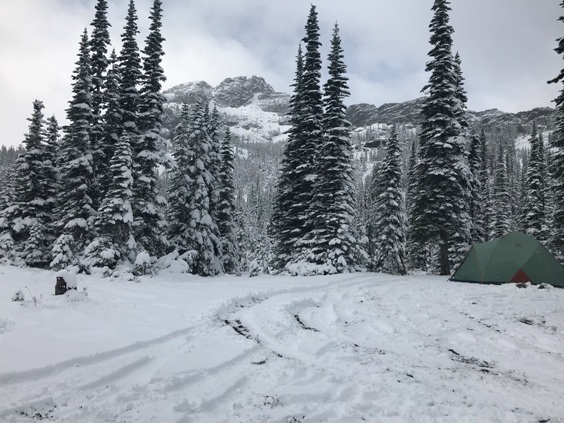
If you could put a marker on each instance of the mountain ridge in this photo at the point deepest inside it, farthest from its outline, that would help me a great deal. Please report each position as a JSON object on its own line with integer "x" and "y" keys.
{"x": 254, "y": 110}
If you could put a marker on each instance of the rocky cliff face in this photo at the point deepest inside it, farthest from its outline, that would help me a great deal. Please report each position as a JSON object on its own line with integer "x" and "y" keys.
{"x": 410, "y": 112}
{"x": 248, "y": 105}
{"x": 239, "y": 91}
{"x": 254, "y": 111}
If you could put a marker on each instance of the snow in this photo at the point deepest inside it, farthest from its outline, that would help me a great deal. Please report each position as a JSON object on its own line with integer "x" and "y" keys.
{"x": 340, "y": 348}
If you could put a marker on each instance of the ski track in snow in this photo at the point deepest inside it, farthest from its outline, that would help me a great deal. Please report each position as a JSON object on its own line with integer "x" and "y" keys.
{"x": 361, "y": 348}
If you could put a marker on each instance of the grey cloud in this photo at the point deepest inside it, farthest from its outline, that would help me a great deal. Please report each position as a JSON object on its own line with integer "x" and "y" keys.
{"x": 506, "y": 47}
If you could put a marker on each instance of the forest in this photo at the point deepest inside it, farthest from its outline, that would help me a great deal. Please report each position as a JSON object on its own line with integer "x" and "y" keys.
{"x": 127, "y": 188}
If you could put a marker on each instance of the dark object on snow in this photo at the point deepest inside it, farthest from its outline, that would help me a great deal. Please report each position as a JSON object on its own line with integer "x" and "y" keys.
{"x": 61, "y": 286}
{"x": 18, "y": 296}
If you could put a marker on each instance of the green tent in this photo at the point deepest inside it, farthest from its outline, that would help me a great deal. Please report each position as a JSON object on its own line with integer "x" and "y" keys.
{"x": 514, "y": 258}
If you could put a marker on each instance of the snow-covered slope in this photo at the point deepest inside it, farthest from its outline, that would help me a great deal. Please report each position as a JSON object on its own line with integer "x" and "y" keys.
{"x": 249, "y": 106}
{"x": 343, "y": 348}
{"x": 254, "y": 111}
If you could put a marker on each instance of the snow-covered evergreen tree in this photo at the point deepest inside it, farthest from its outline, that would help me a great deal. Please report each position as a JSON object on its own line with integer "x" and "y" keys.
{"x": 191, "y": 225}
{"x": 390, "y": 218}
{"x": 112, "y": 121}
{"x": 416, "y": 251}
{"x": 99, "y": 42}
{"x": 501, "y": 198}
{"x": 440, "y": 213}
{"x": 115, "y": 243}
{"x": 75, "y": 212}
{"x": 7, "y": 199}
{"x": 286, "y": 223}
{"x": 331, "y": 241}
{"x": 487, "y": 195}
{"x": 293, "y": 218}
{"x": 180, "y": 188}
{"x": 27, "y": 221}
{"x": 534, "y": 216}
{"x": 215, "y": 156}
{"x": 149, "y": 152}
{"x": 37, "y": 250}
{"x": 477, "y": 210}
{"x": 226, "y": 210}
{"x": 129, "y": 71}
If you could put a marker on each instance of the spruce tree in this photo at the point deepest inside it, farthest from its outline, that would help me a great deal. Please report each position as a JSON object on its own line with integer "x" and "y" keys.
{"x": 179, "y": 193}
{"x": 293, "y": 217}
{"x": 215, "y": 156}
{"x": 27, "y": 222}
{"x": 7, "y": 200}
{"x": 112, "y": 120}
{"x": 285, "y": 224}
{"x": 416, "y": 251}
{"x": 501, "y": 198}
{"x": 129, "y": 68}
{"x": 76, "y": 213}
{"x": 477, "y": 200}
{"x": 149, "y": 152}
{"x": 557, "y": 162}
{"x": 99, "y": 42}
{"x": 390, "y": 219}
{"x": 37, "y": 250}
{"x": 226, "y": 209}
{"x": 192, "y": 227}
{"x": 485, "y": 182}
{"x": 534, "y": 216}
{"x": 440, "y": 212}
{"x": 332, "y": 244}
{"x": 115, "y": 243}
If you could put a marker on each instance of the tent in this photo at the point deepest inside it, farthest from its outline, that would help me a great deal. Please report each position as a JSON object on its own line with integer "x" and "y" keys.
{"x": 514, "y": 258}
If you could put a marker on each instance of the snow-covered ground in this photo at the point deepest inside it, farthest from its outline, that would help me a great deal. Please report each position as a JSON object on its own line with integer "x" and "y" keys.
{"x": 345, "y": 348}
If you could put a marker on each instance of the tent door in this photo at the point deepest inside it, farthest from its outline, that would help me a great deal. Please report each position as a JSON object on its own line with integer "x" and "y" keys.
{"x": 520, "y": 276}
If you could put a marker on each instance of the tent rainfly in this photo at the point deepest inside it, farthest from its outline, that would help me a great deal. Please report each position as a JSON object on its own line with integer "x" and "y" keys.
{"x": 514, "y": 258}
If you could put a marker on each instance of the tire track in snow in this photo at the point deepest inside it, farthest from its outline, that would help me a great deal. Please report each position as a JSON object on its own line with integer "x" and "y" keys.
{"x": 89, "y": 360}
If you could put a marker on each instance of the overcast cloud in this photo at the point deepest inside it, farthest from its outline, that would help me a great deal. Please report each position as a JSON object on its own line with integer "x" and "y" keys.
{"x": 506, "y": 48}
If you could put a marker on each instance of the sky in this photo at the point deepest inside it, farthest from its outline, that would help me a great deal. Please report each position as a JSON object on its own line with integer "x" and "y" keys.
{"x": 506, "y": 47}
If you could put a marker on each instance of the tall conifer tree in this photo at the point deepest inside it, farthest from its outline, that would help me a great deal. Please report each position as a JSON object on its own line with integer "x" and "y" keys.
{"x": 115, "y": 243}
{"x": 557, "y": 162}
{"x": 477, "y": 199}
{"x": 29, "y": 217}
{"x": 333, "y": 246}
{"x": 226, "y": 209}
{"x": 485, "y": 182}
{"x": 293, "y": 215}
{"x": 99, "y": 43}
{"x": 77, "y": 174}
{"x": 190, "y": 195}
{"x": 501, "y": 198}
{"x": 284, "y": 223}
{"x": 150, "y": 224}
{"x": 113, "y": 121}
{"x": 534, "y": 216}
{"x": 390, "y": 219}
{"x": 440, "y": 213}
{"x": 180, "y": 188}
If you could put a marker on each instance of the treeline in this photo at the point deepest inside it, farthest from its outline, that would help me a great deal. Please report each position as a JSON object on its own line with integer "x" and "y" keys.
{"x": 94, "y": 197}
{"x": 113, "y": 194}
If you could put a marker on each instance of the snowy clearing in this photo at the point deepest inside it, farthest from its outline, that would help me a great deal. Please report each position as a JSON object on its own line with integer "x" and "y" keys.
{"x": 344, "y": 348}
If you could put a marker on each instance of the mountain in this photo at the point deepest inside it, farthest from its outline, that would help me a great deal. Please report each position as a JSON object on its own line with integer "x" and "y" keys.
{"x": 409, "y": 112}
{"x": 254, "y": 111}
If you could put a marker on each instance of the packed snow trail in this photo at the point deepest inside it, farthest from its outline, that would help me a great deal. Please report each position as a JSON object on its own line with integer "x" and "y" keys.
{"x": 346, "y": 348}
